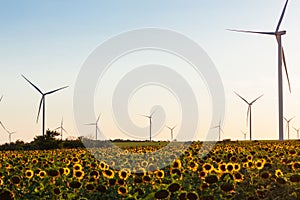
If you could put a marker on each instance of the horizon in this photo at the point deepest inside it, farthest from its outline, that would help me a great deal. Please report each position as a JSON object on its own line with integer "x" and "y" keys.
{"x": 50, "y": 41}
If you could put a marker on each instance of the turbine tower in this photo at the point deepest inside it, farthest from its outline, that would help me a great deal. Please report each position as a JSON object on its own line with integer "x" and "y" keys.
{"x": 96, "y": 125}
{"x": 220, "y": 129}
{"x": 42, "y": 102}
{"x": 288, "y": 125}
{"x": 150, "y": 120}
{"x": 297, "y": 130}
{"x": 61, "y": 128}
{"x": 171, "y": 129}
{"x": 249, "y": 112}
{"x": 281, "y": 57}
{"x": 9, "y": 133}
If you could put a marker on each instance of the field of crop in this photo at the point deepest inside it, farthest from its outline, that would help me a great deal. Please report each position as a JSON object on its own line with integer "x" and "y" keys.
{"x": 232, "y": 170}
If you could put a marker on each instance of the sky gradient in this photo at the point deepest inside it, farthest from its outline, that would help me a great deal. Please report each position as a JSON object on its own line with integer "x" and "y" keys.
{"x": 48, "y": 41}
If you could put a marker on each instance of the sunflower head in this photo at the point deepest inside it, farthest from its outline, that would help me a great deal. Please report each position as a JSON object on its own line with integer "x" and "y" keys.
{"x": 29, "y": 173}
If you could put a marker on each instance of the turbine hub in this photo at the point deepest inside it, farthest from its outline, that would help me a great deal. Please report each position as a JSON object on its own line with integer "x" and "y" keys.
{"x": 281, "y": 33}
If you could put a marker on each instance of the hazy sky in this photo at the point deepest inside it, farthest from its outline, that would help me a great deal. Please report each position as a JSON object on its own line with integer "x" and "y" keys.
{"x": 48, "y": 41}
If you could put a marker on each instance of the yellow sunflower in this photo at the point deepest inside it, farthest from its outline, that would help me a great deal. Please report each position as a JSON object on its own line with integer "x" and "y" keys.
{"x": 29, "y": 173}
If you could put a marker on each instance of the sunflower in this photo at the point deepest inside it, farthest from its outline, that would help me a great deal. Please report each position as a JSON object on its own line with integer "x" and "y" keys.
{"x": 144, "y": 163}
{"x": 174, "y": 187}
{"x": 295, "y": 166}
{"x": 176, "y": 164}
{"x": 140, "y": 171}
{"x": 103, "y": 166}
{"x": 295, "y": 178}
{"x": 78, "y": 174}
{"x": 146, "y": 178}
{"x": 77, "y": 167}
{"x": 222, "y": 167}
{"x": 124, "y": 174}
{"x": 29, "y": 173}
{"x": 211, "y": 179}
{"x": 41, "y": 174}
{"x": 56, "y": 191}
{"x": 278, "y": 173}
{"x": 202, "y": 174}
{"x": 75, "y": 160}
{"x": 66, "y": 171}
{"x": 90, "y": 187}
{"x": 207, "y": 167}
{"x": 15, "y": 180}
{"x": 75, "y": 184}
{"x": 94, "y": 174}
{"x": 238, "y": 177}
{"x": 193, "y": 166}
{"x": 236, "y": 167}
{"x": 265, "y": 175}
{"x": 53, "y": 172}
{"x": 122, "y": 190}
{"x": 108, "y": 173}
{"x": 160, "y": 174}
{"x": 230, "y": 167}
{"x": 162, "y": 194}
{"x": 259, "y": 164}
{"x": 192, "y": 196}
{"x": 34, "y": 161}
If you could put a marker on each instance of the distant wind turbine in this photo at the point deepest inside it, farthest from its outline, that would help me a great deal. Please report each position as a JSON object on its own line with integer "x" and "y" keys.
{"x": 9, "y": 132}
{"x": 249, "y": 112}
{"x": 220, "y": 129}
{"x": 171, "y": 129}
{"x": 96, "y": 125}
{"x": 281, "y": 57}
{"x": 297, "y": 130}
{"x": 245, "y": 134}
{"x": 61, "y": 128}
{"x": 1, "y": 98}
{"x": 150, "y": 120}
{"x": 288, "y": 125}
{"x": 42, "y": 101}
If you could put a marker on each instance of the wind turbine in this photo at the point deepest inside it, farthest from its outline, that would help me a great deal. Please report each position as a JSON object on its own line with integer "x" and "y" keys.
{"x": 9, "y": 132}
{"x": 96, "y": 125}
{"x": 249, "y": 112}
{"x": 245, "y": 134}
{"x": 1, "y": 98}
{"x": 288, "y": 125}
{"x": 220, "y": 129}
{"x": 171, "y": 129}
{"x": 150, "y": 120}
{"x": 61, "y": 128}
{"x": 297, "y": 130}
{"x": 42, "y": 101}
{"x": 281, "y": 57}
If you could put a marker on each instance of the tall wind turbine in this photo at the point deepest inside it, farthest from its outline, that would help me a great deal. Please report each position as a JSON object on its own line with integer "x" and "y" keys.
{"x": 249, "y": 112}
{"x": 42, "y": 102}
{"x": 288, "y": 125}
{"x": 9, "y": 132}
{"x": 297, "y": 130}
{"x": 171, "y": 129}
{"x": 281, "y": 57}
{"x": 61, "y": 128}
{"x": 219, "y": 127}
{"x": 96, "y": 125}
{"x": 150, "y": 120}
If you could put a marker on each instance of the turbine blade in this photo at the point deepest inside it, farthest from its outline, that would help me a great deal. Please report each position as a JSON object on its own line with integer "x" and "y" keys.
{"x": 282, "y": 15}
{"x": 248, "y": 113}
{"x": 56, "y": 90}
{"x": 64, "y": 130}
{"x": 3, "y": 126}
{"x": 32, "y": 84}
{"x": 285, "y": 119}
{"x": 255, "y": 32}
{"x": 174, "y": 127}
{"x": 153, "y": 112}
{"x": 40, "y": 106}
{"x": 256, "y": 99}
{"x": 291, "y": 119}
{"x": 145, "y": 116}
{"x": 98, "y": 118}
{"x": 90, "y": 124}
{"x": 242, "y": 98}
{"x": 168, "y": 127}
{"x": 285, "y": 68}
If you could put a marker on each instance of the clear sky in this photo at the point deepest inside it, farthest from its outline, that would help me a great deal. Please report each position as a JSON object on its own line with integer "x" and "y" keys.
{"x": 48, "y": 41}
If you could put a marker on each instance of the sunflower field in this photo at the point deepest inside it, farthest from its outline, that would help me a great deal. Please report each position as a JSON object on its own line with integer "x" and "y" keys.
{"x": 231, "y": 170}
